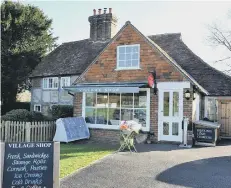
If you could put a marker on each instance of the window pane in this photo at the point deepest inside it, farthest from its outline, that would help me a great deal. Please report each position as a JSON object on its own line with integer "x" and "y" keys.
{"x": 114, "y": 116}
{"x": 126, "y": 114}
{"x": 121, "y": 56}
{"x": 135, "y": 56}
{"x": 135, "y": 49}
{"x": 175, "y": 128}
{"x": 50, "y": 82}
{"x": 121, "y": 50}
{"x": 175, "y": 109}
{"x": 90, "y": 99}
{"x": 128, "y": 49}
{"x": 135, "y": 63}
{"x": 128, "y": 57}
{"x": 90, "y": 115}
{"x": 122, "y": 64}
{"x": 101, "y": 117}
{"x": 127, "y": 100}
{"x": 114, "y": 100}
{"x": 166, "y": 103}
{"x": 140, "y": 117}
{"x": 45, "y": 83}
{"x": 55, "y": 82}
{"x": 166, "y": 128}
{"x": 102, "y": 99}
{"x": 128, "y": 63}
{"x": 140, "y": 99}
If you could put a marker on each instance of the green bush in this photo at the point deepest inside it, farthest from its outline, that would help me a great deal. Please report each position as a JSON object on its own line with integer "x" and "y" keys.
{"x": 61, "y": 111}
{"x": 24, "y": 115}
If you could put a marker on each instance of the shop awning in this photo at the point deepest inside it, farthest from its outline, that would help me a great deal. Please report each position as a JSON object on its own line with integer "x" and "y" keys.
{"x": 116, "y": 87}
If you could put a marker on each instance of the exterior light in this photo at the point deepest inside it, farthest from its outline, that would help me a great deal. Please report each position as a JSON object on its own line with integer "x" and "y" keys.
{"x": 187, "y": 94}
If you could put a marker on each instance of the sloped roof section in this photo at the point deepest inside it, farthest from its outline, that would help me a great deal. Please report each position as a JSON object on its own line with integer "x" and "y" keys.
{"x": 214, "y": 81}
{"x": 70, "y": 58}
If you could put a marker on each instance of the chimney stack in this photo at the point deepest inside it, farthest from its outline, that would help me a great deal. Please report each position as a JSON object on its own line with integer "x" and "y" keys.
{"x": 102, "y": 26}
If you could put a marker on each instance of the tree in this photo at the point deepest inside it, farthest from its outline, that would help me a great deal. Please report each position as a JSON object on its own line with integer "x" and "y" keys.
{"x": 26, "y": 36}
{"x": 220, "y": 36}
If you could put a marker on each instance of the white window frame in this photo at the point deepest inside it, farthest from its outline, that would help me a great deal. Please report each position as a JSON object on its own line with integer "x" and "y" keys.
{"x": 116, "y": 127}
{"x": 53, "y": 81}
{"x": 66, "y": 79}
{"x": 127, "y": 68}
{"x": 37, "y": 105}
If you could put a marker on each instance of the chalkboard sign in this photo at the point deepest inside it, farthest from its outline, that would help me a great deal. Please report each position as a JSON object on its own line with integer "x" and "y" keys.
{"x": 28, "y": 165}
{"x": 204, "y": 134}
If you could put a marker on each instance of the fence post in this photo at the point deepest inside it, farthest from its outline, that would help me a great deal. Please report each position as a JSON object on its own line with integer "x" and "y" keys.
{"x": 28, "y": 126}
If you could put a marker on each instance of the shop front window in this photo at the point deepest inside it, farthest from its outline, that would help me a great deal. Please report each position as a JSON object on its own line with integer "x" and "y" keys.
{"x": 112, "y": 108}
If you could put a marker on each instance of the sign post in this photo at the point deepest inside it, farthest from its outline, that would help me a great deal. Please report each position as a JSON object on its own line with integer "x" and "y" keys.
{"x": 30, "y": 165}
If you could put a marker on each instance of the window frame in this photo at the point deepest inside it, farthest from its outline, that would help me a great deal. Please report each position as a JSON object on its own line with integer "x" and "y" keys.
{"x": 36, "y": 105}
{"x": 62, "y": 81}
{"x": 116, "y": 127}
{"x": 117, "y": 58}
{"x": 53, "y": 81}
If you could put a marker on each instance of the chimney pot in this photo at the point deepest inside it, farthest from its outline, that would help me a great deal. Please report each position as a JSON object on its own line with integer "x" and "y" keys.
{"x": 94, "y": 12}
{"x": 99, "y": 10}
{"x": 105, "y": 10}
{"x": 110, "y": 10}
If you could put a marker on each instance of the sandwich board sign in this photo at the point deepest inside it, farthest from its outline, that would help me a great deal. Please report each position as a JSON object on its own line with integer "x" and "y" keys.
{"x": 28, "y": 165}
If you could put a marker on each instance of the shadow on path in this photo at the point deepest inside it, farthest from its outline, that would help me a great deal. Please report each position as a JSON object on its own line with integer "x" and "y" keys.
{"x": 206, "y": 173}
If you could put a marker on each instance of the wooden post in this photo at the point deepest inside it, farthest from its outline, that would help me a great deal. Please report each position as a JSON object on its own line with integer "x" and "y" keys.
{"x": 28, "y": 125}
{"x": 2, "y": 149}
{"x": 56, "y": 169}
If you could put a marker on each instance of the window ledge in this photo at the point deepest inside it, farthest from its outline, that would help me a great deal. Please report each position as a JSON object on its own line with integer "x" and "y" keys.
{"x": 119, "y": 69}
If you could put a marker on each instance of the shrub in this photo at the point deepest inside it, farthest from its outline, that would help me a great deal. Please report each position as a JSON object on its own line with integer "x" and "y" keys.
{"x": 14, "y": 106}
{"x": 23, "y": 115}
{"x": 17, "y": 115}
{"x": 61, "y": 111}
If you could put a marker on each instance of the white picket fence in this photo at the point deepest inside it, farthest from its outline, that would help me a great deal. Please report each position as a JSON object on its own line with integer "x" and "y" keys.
{"x": 15, "y": 131}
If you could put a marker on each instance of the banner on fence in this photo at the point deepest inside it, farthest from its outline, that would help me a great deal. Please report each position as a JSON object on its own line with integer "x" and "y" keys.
{"x": 28, "y": 164}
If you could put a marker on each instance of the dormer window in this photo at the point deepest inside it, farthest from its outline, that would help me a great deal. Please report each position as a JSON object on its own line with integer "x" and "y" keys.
{"x": 128, "y": 57}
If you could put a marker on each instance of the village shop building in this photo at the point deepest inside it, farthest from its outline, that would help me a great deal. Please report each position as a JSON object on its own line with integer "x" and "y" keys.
{"x": 113, "y": 82}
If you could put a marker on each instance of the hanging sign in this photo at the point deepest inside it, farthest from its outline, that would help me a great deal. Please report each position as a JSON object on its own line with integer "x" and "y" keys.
{"x": 151, "y": 80}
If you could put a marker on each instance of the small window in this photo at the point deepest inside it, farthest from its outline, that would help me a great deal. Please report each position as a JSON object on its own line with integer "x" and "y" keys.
{"x": 37, "y": 107}
{"x": 128, "y": 57}
{"x": 50, "y": 83}
{"x": 65, "y": 81}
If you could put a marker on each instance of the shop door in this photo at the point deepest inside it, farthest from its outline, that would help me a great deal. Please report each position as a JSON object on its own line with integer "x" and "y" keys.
{"x": 224, "y": 117}
{"x": 170, "y": 115}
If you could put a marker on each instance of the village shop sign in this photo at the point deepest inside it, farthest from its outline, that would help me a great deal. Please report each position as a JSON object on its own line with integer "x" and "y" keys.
{"x": 30, "y": 165}
{"x": 100, "y": 89}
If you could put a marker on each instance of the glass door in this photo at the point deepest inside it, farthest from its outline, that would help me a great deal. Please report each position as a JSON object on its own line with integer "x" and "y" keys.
{"x": 170, "y": 115}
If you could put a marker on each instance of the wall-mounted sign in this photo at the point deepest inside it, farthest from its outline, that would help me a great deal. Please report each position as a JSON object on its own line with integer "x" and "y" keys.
{"x": 151, "y": 81}
{"x": 28, "y": 164}
{"x": 106, "y": 89}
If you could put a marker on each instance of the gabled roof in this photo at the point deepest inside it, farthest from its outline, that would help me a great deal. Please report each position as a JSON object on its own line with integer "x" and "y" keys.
{"x": 70, "y": 58}
{"x": 74, "y": 58}
{"x": 212, "y": 80}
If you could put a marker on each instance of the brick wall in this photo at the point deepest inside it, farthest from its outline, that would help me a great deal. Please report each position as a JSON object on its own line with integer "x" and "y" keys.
{"x": 104, "y": 69}
{"x": 187, "y": 104}
{"x": 105, "y": 135}
{"x": 154, "y": 113}
{"x": 77, "y": 103}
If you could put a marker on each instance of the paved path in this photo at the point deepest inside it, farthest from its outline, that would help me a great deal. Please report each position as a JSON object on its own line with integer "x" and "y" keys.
{"x": 158, "y": 166}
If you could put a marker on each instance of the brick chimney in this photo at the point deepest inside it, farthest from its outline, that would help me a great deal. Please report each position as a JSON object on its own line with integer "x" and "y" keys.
{"x": 102, "y": 25}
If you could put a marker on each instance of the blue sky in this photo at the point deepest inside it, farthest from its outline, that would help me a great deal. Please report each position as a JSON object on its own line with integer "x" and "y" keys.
{"x": 70, "y": 20}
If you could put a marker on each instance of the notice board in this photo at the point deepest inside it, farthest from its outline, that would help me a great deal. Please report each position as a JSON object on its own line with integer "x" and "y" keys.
{"x": 28, "y": 165}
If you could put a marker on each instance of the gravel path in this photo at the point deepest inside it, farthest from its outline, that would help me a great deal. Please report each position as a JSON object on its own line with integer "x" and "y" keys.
{"x": 158, "y": 166}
